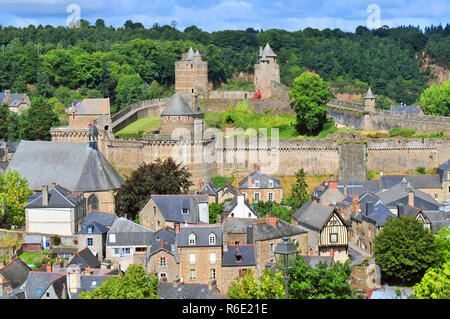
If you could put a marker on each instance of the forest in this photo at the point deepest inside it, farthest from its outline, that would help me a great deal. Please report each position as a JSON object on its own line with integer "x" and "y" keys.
{"x": 132, "y": 63}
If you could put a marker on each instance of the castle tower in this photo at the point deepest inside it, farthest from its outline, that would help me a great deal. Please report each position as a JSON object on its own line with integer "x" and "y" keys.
{"x": 191, "y": 74}
{"x": 266, "y": 71}
{"x": 369, "y": 101}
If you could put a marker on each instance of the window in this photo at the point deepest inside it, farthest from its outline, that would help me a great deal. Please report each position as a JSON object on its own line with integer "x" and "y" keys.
{"x": 256, "y": 197}
{"x": 212, "y": 239}
{"x": 89, "y": 229}
{"x": 212, "y": 274}
{"x": 333, "y": 238}
{"x": 185, "y": 211}
{"x": 162, "y": 261}
{"x": 256, "y": 184}
{"x": 436, "y": 195}
{"x": 272, "y": 247}
{"x": 112, "y": 238}
{"x": 270, "y": 183}
{"x": 212, "y": 258}
{"x": 192, "y": 259}
{"x": 270, "y": 197}
{"x": 140, "y": 249}
{"x": 236, "y": 242}
{"x": 90, "y": 242}
{"x": 93, "y": 202}
{"x": 154, "y": 211}
{"x": 242, "y": 272}
{"x": 238, "y": 257}
{"x": 192, "y": 274}
{"x": 192, "y": 239}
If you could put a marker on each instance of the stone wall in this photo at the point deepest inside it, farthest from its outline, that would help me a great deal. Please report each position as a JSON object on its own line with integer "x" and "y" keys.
{"x": 274, "y": 105}
{"x": 235, "y": 95}
{"x": 353, "y": 160}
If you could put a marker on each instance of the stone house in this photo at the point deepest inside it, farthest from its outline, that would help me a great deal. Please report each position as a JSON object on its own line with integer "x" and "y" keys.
{"x": 258, "y": 186}
{"x": 17, "y": 102}
{"x": 55, "y": 211}
{"x": 327, "y": 230}
{"x": 217, "y": 194}
{"x": 85, "y": 112}
{"x": 93, "y": 232}
{"x": 160, "y": 211}
{"x": 427, "y": 183}
{"x": 163, "y": 259}
{"x": 127, "y": 243}
{"x": 78, "y": 167}
{"x": 200, "y": 249}
{"x": 237, "y": 260}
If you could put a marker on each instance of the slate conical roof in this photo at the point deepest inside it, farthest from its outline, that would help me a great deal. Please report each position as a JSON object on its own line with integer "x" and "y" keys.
{"x": 190, "y": 54}
{"x": 268, "y": 51}
{"x": 177, "y": 106}
{"x": 369, "y": 94}
{"x": 197, "y": 53}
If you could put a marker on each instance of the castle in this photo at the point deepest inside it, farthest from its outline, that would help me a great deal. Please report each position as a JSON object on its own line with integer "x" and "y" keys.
{"x": 184, "y": 136}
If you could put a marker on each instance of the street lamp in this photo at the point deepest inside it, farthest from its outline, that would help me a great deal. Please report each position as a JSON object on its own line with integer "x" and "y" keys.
{"x": 286, "y": 254}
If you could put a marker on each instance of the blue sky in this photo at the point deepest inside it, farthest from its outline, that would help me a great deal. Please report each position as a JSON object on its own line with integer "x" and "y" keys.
{"x": 232, "y": 14}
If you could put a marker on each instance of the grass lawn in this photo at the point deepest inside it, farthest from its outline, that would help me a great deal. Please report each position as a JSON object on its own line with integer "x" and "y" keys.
{"x": 32, "y": 258}
{"x": 145, "y": 124}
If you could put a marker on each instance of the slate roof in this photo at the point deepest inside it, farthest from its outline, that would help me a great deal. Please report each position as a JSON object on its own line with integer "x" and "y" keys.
{"x": 201, "y": 232}
{"x": 410, "y": 109}
{"x": 58, "y": 197}
{"x": 230, "y": 205}
{"x": 443, "y": 169}
{"x": 389, "y": 292}
{"x": 92, "y": 107}
{"x": 85, "y": 258}
{"x": 209, "y": 189}
{"x": 177, "y": 106}
{"x": 399, "y": 195}
{"x": 416, "y": 181}
{"x": 369, "y": 94}
{"x": 90, "y": 282}
{"x": 354, "y": 188}
{"x": 439, "y": 219}
{"x": 313, "y": 261}
{"x": 267, "y": 51}
{"x": 171, "y": 207}
{"x": 247, "y": 253}
{"x": 16, "y": 272}
{"x": 168, "y": 290}
{"x": 129, "y": 233}
{"x": 74, "y": 166}
{"x": 263, "y": 181}
{"x": 38, "y": 282}
{"x": 100, "y": 221}
{"x": 163, "y": 239}
{"x": 313, "y": 215}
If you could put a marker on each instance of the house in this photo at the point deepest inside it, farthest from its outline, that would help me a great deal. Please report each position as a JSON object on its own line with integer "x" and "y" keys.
{"x": 92, "y": 233}
{"x": 78, "y": 167}
{"x": 258, "y": 186}
{"x": 12, "y": 276}
{"x": 330, "y": 192}
{"x": 327, "y": 230}
{"x": 237, "y": 260}
{"x": 200, "y": 249}
{"x": 428, "y": 183}
{"x": 44, "y": 285}
{"x": 17, "y": 102}
{"x": 163, "y": 258}
{"x": 86, "y": 279}
{"x": 217, "y": 194}
{"x": 84, "y": 258}
{"x": 408, "y": 109}
{"x": 127, "y": 243}
{"x": 55, "y": 211}
{"x": 85, "y": 112}
{"x": 239, "y": 207}
{"x": 167, "y": 210}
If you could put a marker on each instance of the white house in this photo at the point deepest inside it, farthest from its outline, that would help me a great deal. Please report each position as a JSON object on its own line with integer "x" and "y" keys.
{"x": 55, "y": 211}
{"x": 238, "y": 207}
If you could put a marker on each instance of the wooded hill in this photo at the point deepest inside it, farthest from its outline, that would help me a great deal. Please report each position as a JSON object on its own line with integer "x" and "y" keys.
{"x": 123, "y": 62}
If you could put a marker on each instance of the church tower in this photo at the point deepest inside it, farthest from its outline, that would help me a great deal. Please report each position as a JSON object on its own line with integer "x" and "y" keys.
{"x": 191, "y": 74}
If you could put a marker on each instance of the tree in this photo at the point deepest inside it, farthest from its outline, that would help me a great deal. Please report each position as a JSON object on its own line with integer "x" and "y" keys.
{"x": 435, "y": 284}
{"x": 36, "y": 121}
{"x": 404, "y": 250}
{"x": 309, "y": 97}
{"x": 160, "y": 177}
{"x": 319, "y": 282}
{"x": 8, "y": 122}
{"x": 130, "y": 89}
{"x": 214, "y": 211}
{"x": 443, "y": 242}
{"x": 435, "y": 100}
{"x": 136, "y": 283}
{"x": 14, "y": 194}
{"x": 268, "y": 286}
{"x": 299, "y": 191}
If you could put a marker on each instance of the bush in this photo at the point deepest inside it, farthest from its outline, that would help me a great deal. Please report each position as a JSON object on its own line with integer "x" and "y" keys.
{"x": 420, "y": 170}
{"x": 401, "y": 132}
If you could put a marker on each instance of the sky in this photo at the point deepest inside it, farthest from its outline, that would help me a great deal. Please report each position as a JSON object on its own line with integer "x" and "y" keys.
{"x": 218, "y": 15}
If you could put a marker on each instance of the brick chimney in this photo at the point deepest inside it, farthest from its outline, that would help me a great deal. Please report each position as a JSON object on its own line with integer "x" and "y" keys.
{"x": 177, "y": 228}
{"x": 332, "y": 253}
{"x": 333, "y": 184}
{"x": 212, "y": 285}
{"x": 345, "y": 190}
{"x": 64, "y": 292}
{"x": 250, "y": 181}
{"x": 74, "y": 280}
{"x": 272, "y": 221}
{"x": 49, "y": 267}
{"x": 411, "y": 197}
{"x": 357, "y": 207}
{"x": 45, "y": 195}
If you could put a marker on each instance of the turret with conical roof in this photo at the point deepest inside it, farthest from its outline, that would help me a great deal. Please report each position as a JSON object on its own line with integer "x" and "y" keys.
{"x": 267, "y": 71}
{"x": 191, "y": 74}
{"x": 369, "y": 101}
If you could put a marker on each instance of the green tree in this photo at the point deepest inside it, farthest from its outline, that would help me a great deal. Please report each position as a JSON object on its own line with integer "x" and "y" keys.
{"x": 299, "y": 191}
{"x": 309, "y": 97}
{"x": 130, "y": 89}
{"x": 8, "y": 122}
{"x": 435, "y": 284}
{"x": 14, "y": 194}
{"x": 36, "y": 121}
{"x": 214, "y": 211}
{"x": 319, "y": 282}
{"x": 435, "y": 100}
{"x": 443, "y": 241}
{"x": 159, "y": 177}
{"x": 268, "y": 286}
{"x": 136, "y": 283}
{"x": 404, "y": 250}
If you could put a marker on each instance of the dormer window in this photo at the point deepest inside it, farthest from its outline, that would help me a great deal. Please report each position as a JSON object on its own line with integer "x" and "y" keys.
{"x": 270, "y": 183}
{"x": 185, "y": 211}
{"x": 192, "y": 239}
{"x": 212, "y": 239}
{"x": 89, "y": 229}
{"x": 256, "y": 184}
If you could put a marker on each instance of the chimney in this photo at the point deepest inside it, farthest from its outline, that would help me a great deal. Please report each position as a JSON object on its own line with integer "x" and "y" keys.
{"x": 332, "y": 253}
{"x": 45, "y": 195}
{"x": 332, "y": 177}
{"x": 357, "y": 207}
{"x": 345, "y": 190}
{"x": 177, "y": 228}
{"x": 250, "y": 181}
{"x": 411, "y": 197}
{"x": 53, "y": 185}
{"x": 260, "y": 51}
{"x": 272, "y": 221}
{"x": 74, "y": 280}
{"x": 64, "y": 292}
{"x": 212, "y": 285}
{"x": 49, "y": 267}
{"x": 400, "y": 210}
{"x": 225, "y": 242}
{"x": 57, "y": 266}
{"x": 369, "y": 208}
{"x": 381, "y": 172}
{"x": 7, "y": 93}
{"x": 332, "y": 184}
